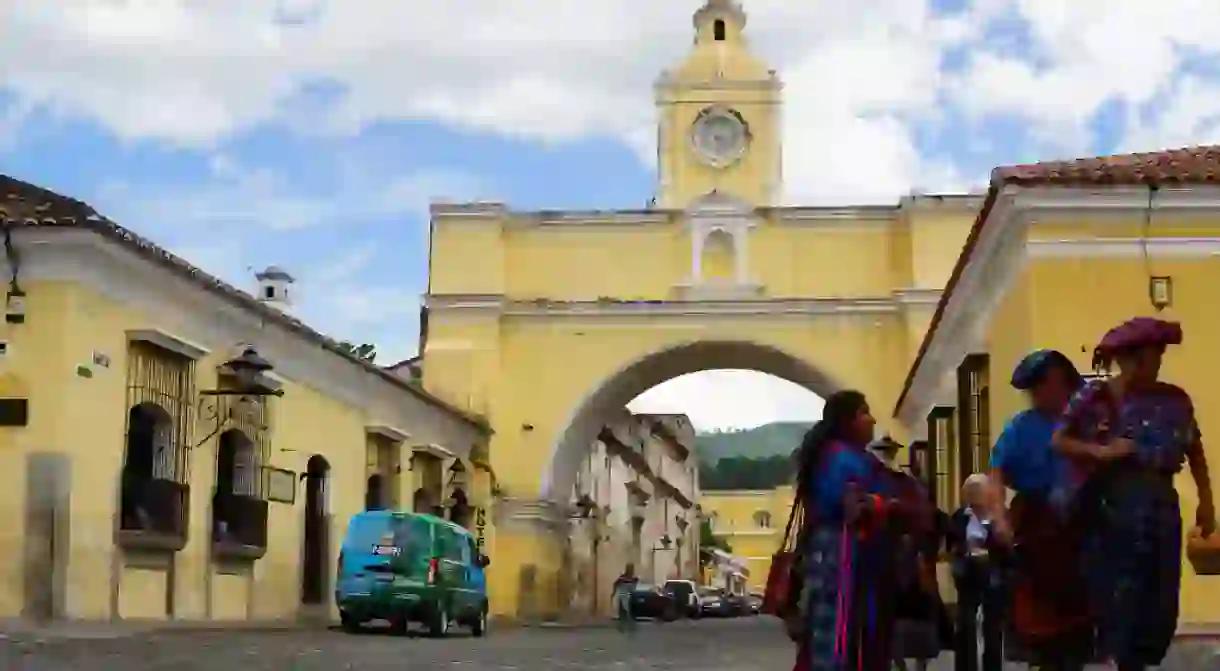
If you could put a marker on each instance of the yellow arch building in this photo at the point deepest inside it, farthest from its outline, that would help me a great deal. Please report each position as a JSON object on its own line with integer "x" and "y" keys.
{"x": 546, "y": 321}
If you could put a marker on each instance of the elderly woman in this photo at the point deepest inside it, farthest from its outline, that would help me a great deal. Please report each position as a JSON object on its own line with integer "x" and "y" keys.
{"x": 1128, "y": 436}
{"x": 1050, "y": 616}
{"x": 976, "y": 576}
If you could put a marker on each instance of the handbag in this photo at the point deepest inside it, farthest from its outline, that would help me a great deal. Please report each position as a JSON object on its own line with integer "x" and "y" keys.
{"x": 784, "y": 581}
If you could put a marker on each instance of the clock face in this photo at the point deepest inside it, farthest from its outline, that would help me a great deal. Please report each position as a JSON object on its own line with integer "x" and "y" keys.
{"x": 720, "y": 136}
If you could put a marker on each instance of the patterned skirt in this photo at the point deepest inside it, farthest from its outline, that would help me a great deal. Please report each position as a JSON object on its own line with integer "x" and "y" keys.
{"x": 1051, "y": 618}
{"x": 1135, "y": 557}
{"x": 846, "y": 604}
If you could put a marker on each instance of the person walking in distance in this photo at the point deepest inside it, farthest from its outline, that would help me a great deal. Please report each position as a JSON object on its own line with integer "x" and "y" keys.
{"x": 624, "y": 587}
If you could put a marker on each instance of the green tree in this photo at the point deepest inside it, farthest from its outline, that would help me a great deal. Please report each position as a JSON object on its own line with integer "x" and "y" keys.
{"x": 746, "y": 473}
{"x": 365, "y": 351}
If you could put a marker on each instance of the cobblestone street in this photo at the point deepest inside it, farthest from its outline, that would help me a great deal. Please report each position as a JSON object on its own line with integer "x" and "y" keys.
{"x": 747, "y": 644}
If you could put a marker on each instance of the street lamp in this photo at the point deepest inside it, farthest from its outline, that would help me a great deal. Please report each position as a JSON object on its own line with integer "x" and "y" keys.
{"x": 457, "y": 475}
{"x": 248, "y": 370}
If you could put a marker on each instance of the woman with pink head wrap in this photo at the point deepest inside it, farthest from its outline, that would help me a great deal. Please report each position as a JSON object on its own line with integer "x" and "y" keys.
{"x": 1127, "y": 437}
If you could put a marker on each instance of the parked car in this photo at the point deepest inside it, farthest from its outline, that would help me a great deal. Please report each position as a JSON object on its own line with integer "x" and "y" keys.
{"x": 713, "y": 602}
{"x": 737, "y": 604}
{"x": 653, "y": 602}
{"x": 406, "y": 568}
{"x": 685, "y": 595}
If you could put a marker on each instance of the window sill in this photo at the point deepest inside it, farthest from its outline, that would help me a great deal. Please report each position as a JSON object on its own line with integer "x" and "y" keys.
{"x": 156, "y": 541}
{"x": 232, "y": 550}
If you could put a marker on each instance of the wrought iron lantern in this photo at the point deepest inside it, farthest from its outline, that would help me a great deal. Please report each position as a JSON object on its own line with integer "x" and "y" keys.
{"x": 248, "y": 370}
{"x": 457, "y": 475}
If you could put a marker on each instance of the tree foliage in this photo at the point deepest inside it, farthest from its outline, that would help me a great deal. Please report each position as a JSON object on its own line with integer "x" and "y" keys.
{"x": 364, "y": 351}
{"x": 708, "y": 541}
{"x": 746, "y": 473}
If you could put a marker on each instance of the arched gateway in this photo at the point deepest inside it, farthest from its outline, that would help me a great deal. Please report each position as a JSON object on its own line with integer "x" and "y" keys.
{"x": 548, "y": 321}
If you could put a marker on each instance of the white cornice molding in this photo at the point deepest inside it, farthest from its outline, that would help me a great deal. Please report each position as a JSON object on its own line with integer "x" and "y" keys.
{"x": 1004, "y": 246}
{"x": 391, "y": 433}
{"x": 169, "y": 341}
{"x": 1124, "y": 248}
{"x": 174, "y": 305}
{"x": 434, "y": 450}
{"x": 1050, "y": 200}
{"x": 692, "y": 308}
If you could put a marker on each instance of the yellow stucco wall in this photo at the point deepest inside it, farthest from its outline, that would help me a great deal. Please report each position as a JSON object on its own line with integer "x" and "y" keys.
{"x": 735, "y": 516}
{"x": 1069, "y": 303}
{"x": 85, "y": 417}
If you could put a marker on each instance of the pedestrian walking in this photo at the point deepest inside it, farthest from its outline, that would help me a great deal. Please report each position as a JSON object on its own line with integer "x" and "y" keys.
{"x": 851, "y": 516}
{"x": 1127, "y": 436}
{"x": 624, "y": 587}
{"x": 1049, "y": 616}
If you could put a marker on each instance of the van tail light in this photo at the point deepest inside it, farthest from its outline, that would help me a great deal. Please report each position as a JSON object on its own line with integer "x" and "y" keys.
{"x": 433, "y": 565}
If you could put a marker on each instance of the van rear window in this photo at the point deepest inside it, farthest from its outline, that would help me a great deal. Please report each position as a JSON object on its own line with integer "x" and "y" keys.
{"x": 410, "y": 534}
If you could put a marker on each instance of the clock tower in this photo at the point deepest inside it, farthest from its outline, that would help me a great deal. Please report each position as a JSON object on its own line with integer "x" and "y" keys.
{"x": 719, "y": 117}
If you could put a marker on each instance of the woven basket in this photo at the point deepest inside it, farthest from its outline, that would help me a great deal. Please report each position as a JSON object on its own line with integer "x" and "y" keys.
{"x": 1204, "y": 553}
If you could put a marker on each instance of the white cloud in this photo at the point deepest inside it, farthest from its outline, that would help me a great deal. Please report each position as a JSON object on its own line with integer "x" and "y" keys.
{"x": 552, "y": 70}
{"x": 1080, "y": 59}
{"x": 860, "y": 77}
{"x": 731, "y": 399}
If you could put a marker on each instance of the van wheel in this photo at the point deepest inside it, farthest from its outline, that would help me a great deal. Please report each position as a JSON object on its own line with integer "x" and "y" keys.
{"x": 479, "y": 628}
{"x": 438, "y": 627}
{"x": 348, "y": 623}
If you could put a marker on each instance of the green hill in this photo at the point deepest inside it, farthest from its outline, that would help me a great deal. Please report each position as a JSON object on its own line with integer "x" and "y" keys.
{"x": 768, "y": 440}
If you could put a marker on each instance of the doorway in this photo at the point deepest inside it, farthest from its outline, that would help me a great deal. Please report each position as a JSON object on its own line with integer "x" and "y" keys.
{"x": 316, "y": 550}
{"x": 374, "y": 496}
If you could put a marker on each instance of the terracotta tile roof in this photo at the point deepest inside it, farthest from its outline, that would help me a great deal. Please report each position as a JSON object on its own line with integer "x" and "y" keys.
{"x": 1189, "y": 165}
{"x": 30, "y": 205}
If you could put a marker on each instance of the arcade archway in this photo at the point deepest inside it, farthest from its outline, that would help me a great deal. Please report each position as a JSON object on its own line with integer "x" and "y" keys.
{"x": 611, "y": 395}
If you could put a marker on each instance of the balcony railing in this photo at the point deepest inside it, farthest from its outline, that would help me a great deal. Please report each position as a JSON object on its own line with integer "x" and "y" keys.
{"x": 239, "y": 526}
{"x": 154, "y": 514}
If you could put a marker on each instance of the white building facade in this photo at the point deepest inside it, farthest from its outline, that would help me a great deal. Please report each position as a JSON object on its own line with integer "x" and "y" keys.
{"x": 633, "y": 503}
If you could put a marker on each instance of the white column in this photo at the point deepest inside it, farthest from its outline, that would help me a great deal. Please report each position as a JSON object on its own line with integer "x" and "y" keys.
{"x": 698, "y": 236}
{"x": 740, "y": 253}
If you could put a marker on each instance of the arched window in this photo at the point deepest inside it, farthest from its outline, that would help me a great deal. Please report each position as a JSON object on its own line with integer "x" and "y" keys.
{"x": 762, "y": 519}
{"x": 718, "y": 30}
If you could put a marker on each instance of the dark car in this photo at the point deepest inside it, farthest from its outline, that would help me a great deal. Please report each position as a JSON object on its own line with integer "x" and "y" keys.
{"x": 713, "y": 602}
{"x": 653, "y": 602}
{"x": 738, "y": 604}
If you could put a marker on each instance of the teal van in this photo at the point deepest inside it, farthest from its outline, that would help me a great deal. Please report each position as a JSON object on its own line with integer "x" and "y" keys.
{"x": 409, "y": 567}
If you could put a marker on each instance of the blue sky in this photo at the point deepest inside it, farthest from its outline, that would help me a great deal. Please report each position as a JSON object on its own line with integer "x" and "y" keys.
{"x": 312, "y": 134}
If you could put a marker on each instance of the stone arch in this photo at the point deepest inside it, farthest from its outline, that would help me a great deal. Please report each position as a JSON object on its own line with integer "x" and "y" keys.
{"x": 647, "y": 371}
{"x": 762, "y": 519}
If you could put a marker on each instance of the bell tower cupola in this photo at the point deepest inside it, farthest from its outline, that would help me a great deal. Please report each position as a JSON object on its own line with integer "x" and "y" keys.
{"x": 718, "y": 116}
{"x": 719, "y": 21}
